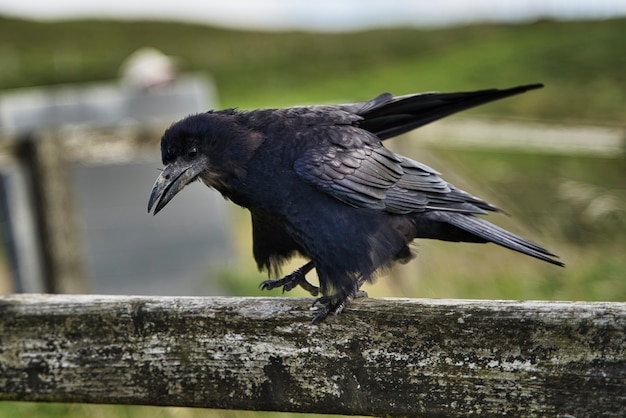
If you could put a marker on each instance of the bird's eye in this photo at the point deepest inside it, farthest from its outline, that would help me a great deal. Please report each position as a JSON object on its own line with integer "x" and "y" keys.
{"x": 192, "y": 152}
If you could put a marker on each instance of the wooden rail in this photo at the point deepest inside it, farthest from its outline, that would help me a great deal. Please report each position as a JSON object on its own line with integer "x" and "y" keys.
{"x": 395, "y": 357}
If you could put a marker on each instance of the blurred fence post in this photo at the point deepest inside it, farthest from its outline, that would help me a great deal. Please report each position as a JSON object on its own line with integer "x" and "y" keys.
{"x": 60, "y": 247}
{"x": 20, "y": 230}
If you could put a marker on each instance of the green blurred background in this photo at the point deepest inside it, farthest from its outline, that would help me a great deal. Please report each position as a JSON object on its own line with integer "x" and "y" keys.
{"x": 573, "y": 203}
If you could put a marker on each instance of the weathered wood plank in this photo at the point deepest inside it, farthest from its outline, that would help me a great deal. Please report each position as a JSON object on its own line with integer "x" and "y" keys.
{"x": 380, "y": 357}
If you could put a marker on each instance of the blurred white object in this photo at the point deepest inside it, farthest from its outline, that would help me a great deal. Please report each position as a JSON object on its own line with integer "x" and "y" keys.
{"x": 147, "y": 69}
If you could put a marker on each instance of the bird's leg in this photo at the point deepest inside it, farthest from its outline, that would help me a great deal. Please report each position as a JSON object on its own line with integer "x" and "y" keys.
{"x": 336, "y": 304}
{"x": 290, "y": 281}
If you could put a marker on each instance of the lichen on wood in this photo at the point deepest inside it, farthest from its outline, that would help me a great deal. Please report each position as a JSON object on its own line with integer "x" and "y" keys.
{"x": 396, "y": 357}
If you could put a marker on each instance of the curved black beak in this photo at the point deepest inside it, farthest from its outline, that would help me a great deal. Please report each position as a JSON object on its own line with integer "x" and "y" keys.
{"x": 174, "y": 177}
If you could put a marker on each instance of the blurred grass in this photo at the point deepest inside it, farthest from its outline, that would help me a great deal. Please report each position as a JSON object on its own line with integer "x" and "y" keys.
{"x": 574, "y": 205}
{"x": 582, "y": 63}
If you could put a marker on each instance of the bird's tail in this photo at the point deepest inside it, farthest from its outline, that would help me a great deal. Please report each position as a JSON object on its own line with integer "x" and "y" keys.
{"x": 475, "y": 229}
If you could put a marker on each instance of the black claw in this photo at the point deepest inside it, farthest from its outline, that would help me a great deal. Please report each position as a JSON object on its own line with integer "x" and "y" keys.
{"x": 332, "y": 305}
{"x": 287, "y": 287}
{"x": 293, "y": 280}
{"x": 320, "y": 316}
{"x": 336, "y": 304}
{"x": 323, "y": 300}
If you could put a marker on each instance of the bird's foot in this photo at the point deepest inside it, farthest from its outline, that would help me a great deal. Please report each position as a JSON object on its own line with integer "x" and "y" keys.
{"x": 335, "y": 304}
{"x": 291, "y": 281}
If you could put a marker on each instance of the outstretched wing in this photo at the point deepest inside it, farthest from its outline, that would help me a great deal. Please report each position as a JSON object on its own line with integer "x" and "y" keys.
{"x": 387, "y": 116}
{"x": 350, "y": 163}
{"x": 353, "y": 166}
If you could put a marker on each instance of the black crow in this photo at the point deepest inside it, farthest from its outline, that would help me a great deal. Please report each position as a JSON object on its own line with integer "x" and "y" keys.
{"x": 319, "y": 182}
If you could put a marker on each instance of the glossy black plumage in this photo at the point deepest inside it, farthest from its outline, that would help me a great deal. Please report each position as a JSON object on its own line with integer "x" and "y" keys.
{"x": 319, "y": 182}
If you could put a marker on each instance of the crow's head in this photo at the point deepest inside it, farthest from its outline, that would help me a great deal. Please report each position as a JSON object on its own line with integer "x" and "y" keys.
{"x": 212, "y": 147}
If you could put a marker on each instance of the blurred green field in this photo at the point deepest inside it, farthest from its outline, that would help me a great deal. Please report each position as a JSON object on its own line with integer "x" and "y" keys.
{"x": 582, "y": 63}
{"x": 574, "y": 205}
